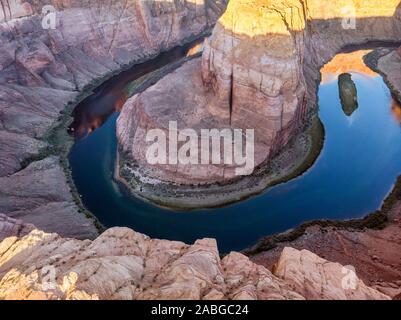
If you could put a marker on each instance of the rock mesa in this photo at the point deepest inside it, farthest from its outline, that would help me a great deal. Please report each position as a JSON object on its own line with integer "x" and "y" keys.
{"x": 259, "y": 70}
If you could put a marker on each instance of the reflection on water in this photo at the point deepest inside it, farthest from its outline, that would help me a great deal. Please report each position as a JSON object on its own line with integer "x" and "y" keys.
{"x": 95, "y": 114}
{"x": 108, "y": 98}
{"x": 346, "y": 62}
{"x": 355, "y": 171}
{"x": 195, "y": 49}
{"x": 396, "y": 109}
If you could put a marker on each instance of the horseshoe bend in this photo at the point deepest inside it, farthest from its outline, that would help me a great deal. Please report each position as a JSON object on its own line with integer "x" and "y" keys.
{"x": 259, "y": 70}
{"x": 305, "y": 93}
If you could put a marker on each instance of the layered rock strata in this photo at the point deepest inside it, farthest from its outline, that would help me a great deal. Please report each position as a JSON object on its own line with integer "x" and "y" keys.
{"x": 11, "y": 227}
{"x": 389, "y": 65}
{"x": 259, "y": 70}
{"x": 123, "y": 264}
{"x": 375, "y": 254}
{"x": 45, "y": 66}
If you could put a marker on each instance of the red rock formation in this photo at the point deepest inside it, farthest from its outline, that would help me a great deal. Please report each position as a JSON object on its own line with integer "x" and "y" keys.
{"x": 375, "y": 254}
{"x": 123, "y": 264}
{"x": 13, "y": 228}
{"x": 260, "y": 70}
{"x": 42, "y": 70}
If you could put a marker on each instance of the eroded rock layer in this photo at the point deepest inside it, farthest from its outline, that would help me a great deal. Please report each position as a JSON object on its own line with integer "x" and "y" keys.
{"x": 375, "y": 254}
{"x": 259, "y": 70}
{"x": 45, "y": 66}
{"x": 123, "y": 264}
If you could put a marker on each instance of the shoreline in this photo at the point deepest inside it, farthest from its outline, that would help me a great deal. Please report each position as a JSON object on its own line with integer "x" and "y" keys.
{"x": 204, "y": 197}
{"x": 372, "y": 60}
{"x": 376, "y": 220}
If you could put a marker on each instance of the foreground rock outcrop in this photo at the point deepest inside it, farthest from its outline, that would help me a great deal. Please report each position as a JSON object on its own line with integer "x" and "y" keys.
{"x": 259, "y": 70}
{"x": 37, "y": 72}
{"x": 375, "y": 253}
{"x": 41, "y": 70}
{"x": 317, "y": 278}
{"x": 123, "y": 264}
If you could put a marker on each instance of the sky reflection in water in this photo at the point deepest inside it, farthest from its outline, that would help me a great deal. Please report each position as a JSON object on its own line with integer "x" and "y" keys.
{"x": 355, "y": 171}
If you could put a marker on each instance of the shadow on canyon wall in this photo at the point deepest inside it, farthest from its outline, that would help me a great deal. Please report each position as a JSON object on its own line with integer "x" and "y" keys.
{"x": 323, "y": 43}
{"x": 44, "y": 73}
{"x": 250, "y": 68}
{"x": 93, "y": 112}
{"x": 11, "y": 9}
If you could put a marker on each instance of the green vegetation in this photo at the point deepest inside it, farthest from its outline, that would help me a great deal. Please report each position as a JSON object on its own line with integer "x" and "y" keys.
{"x": 59, "y": 142}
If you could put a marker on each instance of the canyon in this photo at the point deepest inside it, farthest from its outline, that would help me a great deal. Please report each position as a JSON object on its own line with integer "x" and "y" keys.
{"x": 348, "y": 93}
{"x": 42, "y": 72}
{"x": 259, "y": 69}
{"x": 123, "y": 264}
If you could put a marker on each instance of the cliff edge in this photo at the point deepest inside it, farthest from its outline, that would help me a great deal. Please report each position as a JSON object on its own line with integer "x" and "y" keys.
{"x": 259, "y": 70}
{"x": 123, "y": 264}
{"x": 45, "y": 69}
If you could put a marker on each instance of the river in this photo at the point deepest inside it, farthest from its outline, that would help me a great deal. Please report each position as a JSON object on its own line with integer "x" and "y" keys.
{"x": 353, "y": 174}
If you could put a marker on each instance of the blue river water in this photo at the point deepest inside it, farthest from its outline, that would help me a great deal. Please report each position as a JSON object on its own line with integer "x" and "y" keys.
{"x": 356, "y": 169}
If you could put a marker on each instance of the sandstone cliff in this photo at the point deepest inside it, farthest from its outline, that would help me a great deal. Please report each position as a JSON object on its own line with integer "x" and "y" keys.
{"x": 259, "y": 70}
{"x": 42, "y": 70}
{"x": 375, "y": 253}
{"x": 389, "y": 65}
{"x": 371, "y": 245}
{"x": 123, "y": 264}
{"x": 11, "y": 227}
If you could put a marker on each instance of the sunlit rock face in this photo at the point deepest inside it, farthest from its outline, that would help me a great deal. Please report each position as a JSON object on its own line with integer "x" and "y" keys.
{"x": 123, "y": 264}
{"x": 259, "y": 70}
{"x": 317, "y": 278}
{"x": 41, "y": 70}
{"x": 264, "y": 57}
{"x": 11, "y": 227}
